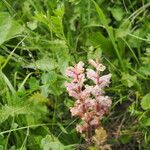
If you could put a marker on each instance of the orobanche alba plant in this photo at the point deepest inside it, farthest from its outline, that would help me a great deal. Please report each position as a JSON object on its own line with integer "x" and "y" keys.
{"x": 90, "y": 102}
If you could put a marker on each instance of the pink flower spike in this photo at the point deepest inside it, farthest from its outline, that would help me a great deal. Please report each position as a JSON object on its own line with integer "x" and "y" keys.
{"x": 90, "y": 102}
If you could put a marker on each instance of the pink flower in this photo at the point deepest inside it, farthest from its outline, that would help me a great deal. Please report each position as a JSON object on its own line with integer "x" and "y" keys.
{"x": 95, "y": 122}
{"x": 73, "y": 72}
{"x": 76, "y": 111}
{"x": 91, "y": 74}
{"x": 90, "y": 102}
{"x": 70, "y": 72}
{"x": 79, "y": 67}
{"x": 105, "y": 101}
{"x": 82, "y": 128}
{"x": 71, "y": 86}
{"x": 87, "y": 117}
{"x": 81, "y": 79}
{"x": 98, "y": 66}
{"x": 73, "y": 94}
{"x": 93, "y": 63}
{"x": 104, "y": 80}
{"x": 97, "y": 91}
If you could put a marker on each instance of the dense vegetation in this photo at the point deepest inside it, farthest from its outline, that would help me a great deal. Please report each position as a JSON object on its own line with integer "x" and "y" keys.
{"x": 39, "y": 39}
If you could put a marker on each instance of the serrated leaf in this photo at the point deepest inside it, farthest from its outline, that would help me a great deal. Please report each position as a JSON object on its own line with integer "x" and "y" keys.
{"x": 7, "y": 111}
{"x": 145, "y": 103}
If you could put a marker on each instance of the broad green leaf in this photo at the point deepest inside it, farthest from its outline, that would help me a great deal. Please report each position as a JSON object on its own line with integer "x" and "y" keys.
{"x": 145, "y": 121}
{"x": 49, "y": 77}
{"x": 44, "y": 64}
{"x": 62, "y": 53}
{"x": 32, "y": 25}
{"x": 33, "y": 83}
{"x": 145, "y": 70}
{"x": 123, "y": 29}
{"x": 45, "y": 90}
{"x": 97, "y": 39}
{"x": 145, "y": 103}
{"x": 117, "y": 13}
{"x": 129, "y": 80}
{"x": 8, "y": 27}
{"x": 51, "y": 143}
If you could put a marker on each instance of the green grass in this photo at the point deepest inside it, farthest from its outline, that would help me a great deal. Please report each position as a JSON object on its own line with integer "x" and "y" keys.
{"x": 40, "y": 39}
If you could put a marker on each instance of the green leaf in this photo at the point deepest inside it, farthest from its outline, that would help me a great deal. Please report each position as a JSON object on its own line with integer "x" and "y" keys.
{"x": 145, "y": 103}
{"x": 2, "y": 59}
{"x": 97, "y": 39}
{"x": 62, "y": 128}
{"x": 109, "y": 30}
{"x": 123, "y": 29}
{"x": 51, "y": 143}
{"x": 125, "y": 139}
{"x": 33, "y": 83}
{"x": 62, "y": 53}
{"x": 145, "y": 121}
{"x": 145, "y": 70}
{"x": 49, "y": 77}
{"x": 12, "y": 111}
{"x": 32, "y": 25}
{"x": 8, "y": 27}
{"x": 44, "y": 64}
{"x": 129, "y": 80}
{"x": 117, "y": 13}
